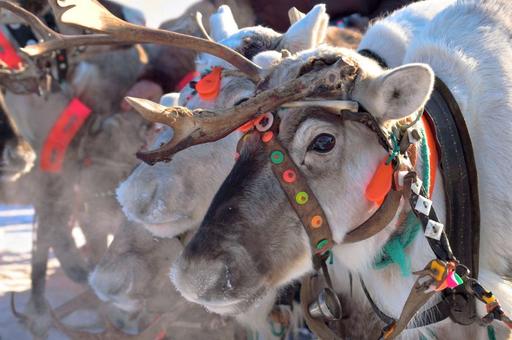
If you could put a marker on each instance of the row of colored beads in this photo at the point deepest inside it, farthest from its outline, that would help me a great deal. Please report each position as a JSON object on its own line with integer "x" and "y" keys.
{"x": 289, "y": 176}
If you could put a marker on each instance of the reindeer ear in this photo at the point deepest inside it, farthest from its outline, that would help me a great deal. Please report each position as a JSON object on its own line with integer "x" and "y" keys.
{"x": 222, "y": 23}
{"x": 396, "y": 93}
{"x": 308, "y": 32}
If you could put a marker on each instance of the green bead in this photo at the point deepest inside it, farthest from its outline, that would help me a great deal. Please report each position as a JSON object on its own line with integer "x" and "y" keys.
{"x": 277, "y": 157}
{"x": 321, "y": 244}
{"x": 302, "y": 198}
{"x": 458, "y": 278}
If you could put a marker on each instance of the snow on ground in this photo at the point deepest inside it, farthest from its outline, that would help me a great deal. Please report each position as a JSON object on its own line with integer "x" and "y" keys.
{"x": 15, "y": 248}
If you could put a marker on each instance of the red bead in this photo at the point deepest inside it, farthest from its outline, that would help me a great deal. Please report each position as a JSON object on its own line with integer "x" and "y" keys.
{"x": 289, "y": 176}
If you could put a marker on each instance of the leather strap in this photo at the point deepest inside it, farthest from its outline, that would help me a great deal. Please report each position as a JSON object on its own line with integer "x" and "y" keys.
{"x": 459, "y": 175}
{"x": 300, "y": 196}
{"x": 378, "y": 221}
{"x": 310, "y": 286}
{"x": 434, "y": 314}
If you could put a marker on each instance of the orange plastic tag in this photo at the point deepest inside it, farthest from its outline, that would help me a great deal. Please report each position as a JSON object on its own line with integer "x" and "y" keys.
{"x": 209, "y": 86}
{"x": 8, "y": 53}
{"x": 61, "y": 135}
{"x": 248, "y": 126}
{"x": 380, "y": 184}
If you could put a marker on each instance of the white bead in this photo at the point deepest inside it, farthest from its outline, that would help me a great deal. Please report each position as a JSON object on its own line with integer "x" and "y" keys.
{"x": 416, "y": 187}
{"x": 269, "y": 121}
{"x": 423, "y": 205}
{"x": 401, "y": 176}
{"x": 434, "y": 230}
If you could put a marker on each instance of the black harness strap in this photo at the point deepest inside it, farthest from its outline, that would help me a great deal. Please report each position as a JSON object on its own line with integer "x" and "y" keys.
{"x": 460, "y": 182}
{"x": 459, "y": 175}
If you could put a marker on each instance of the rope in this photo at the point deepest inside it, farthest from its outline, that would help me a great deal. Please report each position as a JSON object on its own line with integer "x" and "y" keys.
{"x": 394, "y": 250}
{"x": 491, "y": 333}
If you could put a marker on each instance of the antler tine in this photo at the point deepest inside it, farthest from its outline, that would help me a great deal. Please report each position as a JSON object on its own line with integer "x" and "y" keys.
{"x": 91, "y": 15}
{"x": 20, "y": 316}
{"x": 54, "y": 40}
{"x": 201, "y": 126}
{"x": 199, "y": 21}
{"x": 110, "y": 333}
{"x": 85, "y": 299}
{"x": 44, "y": 31}
{"x": 22, "y": 81}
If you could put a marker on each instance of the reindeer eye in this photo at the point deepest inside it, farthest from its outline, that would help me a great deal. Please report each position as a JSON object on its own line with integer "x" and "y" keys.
{"x": 323, "y": 143}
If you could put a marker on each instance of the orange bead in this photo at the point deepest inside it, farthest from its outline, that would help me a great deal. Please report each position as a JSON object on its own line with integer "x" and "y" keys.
{"x": 316, "y": 221}
{"x": 267, "y": 136}
{"x": 246, "y": 127}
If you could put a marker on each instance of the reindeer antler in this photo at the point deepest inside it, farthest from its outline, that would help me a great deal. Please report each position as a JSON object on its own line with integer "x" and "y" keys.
{"x": 201, "y": 126}
{"x": 91, "y": 15}
{"x": 155, "y": 330}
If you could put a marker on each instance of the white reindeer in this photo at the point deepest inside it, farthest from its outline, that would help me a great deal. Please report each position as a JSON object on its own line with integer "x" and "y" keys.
{"x": 252, "y": 241}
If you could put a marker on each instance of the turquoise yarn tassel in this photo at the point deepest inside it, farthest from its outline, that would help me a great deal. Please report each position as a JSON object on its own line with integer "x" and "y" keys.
{"x": 394, "y": 250}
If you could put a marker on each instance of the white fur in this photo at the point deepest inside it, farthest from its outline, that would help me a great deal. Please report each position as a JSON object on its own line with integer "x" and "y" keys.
{"x": 389, "y": 37}
{"x": 308, "y": 32}
{"x": 471, "y": 54}
{"x": 222, "y": 23}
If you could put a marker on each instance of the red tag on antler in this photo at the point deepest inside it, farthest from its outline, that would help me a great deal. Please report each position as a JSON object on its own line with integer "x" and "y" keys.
{"x": 209, "y": 86}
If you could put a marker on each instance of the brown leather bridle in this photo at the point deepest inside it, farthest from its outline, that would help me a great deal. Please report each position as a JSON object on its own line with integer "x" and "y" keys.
{"x": 302, "y": 198}
{"x": 405, "y": 184}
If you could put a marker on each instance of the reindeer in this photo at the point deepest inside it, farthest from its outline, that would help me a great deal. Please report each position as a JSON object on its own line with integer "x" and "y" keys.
{"x": 90, "y": 171}
{"x": 183, "y": 139}
{"x": 157, "y": 210}
{"x": 252, "y": 240}
{"x": 156, "y": 214}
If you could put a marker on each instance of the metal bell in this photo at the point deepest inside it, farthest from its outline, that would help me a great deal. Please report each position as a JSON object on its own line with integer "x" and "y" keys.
{"x": 327, "y": 306}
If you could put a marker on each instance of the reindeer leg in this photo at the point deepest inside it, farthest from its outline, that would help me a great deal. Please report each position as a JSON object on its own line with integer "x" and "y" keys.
{"x": 54, "y": 216}
{"x": 36, "y": 317}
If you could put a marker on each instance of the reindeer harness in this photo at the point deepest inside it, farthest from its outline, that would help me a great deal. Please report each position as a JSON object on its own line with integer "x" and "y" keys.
{"x": 444, "y": 274}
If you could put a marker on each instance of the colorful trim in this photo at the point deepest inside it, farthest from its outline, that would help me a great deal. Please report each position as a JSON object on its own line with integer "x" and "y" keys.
{"x": 394, "y": 250}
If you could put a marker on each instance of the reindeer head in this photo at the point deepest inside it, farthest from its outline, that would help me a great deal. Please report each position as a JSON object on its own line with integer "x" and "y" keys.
{"x": 170, "y": 198}
{"x": 251, "y": 239}
{"x": 140, "y": 263}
